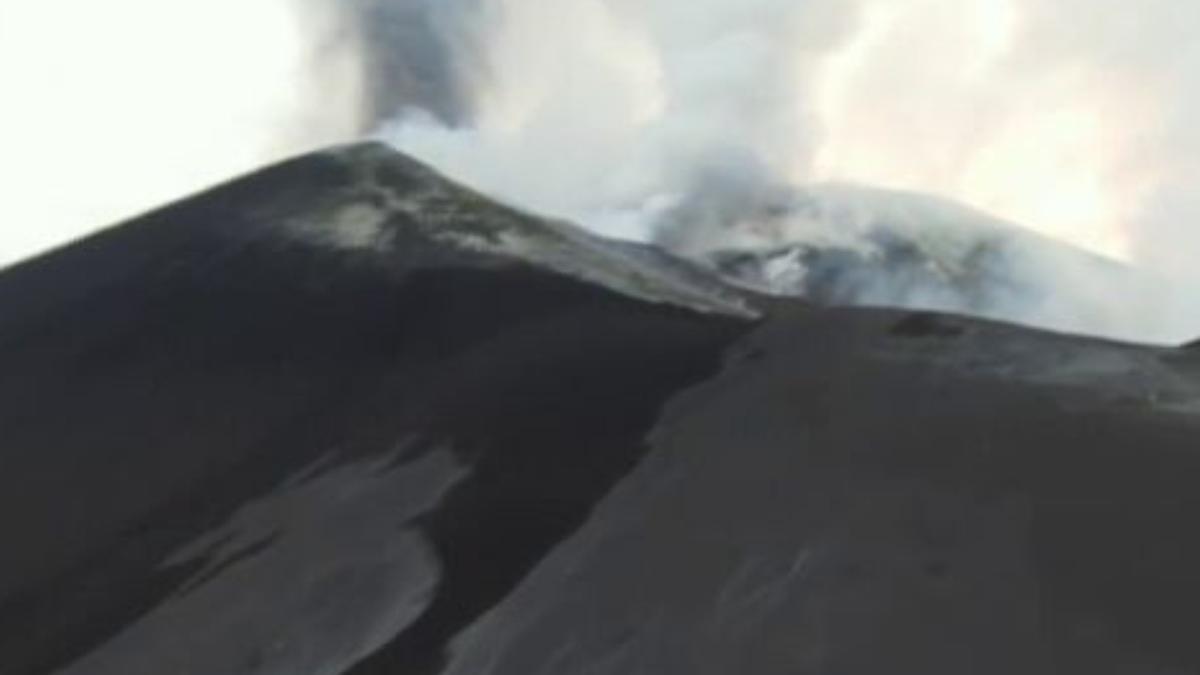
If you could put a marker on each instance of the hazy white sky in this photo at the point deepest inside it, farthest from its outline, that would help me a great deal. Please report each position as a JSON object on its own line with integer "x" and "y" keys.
{"x": 110, "y": 108}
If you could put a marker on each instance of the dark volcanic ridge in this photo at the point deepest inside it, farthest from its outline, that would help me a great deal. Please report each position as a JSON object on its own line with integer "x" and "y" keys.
{"x": 345, "y": 416}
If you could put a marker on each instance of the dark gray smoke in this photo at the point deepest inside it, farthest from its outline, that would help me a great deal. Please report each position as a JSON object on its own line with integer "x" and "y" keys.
{"x": 409, "y": 58}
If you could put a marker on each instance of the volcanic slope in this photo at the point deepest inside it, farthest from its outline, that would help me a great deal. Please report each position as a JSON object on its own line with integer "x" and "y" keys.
{"x": 345, "y": 416}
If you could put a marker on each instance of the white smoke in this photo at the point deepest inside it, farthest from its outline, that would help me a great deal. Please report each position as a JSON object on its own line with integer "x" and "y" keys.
{"x": 685, "y": 120}
{"x": 111, "y": 108}
{"x": 605, "y": 112}
{"x": 1071, "y": 117}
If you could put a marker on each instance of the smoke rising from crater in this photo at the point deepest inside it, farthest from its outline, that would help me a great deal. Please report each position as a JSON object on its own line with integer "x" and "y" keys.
{"x": 683, "y": 118}
{"x": 608, "y": 112}
{"x": 694, "y": 122}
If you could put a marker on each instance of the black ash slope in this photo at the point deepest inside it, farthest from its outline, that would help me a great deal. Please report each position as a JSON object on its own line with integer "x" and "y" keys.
{"x": 344, "y": 416}
{"x": 161, "y": 375}
{"x": 874, "y": 492}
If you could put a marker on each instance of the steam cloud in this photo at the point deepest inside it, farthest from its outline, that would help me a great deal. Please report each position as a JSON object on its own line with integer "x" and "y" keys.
{"x": 699, "y": 123}
{"x": 681, "y": 119}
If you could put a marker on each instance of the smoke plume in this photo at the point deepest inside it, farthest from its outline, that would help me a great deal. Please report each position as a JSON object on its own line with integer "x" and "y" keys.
{"x": 680, "y": 119}
{"x": 701, "y": 124}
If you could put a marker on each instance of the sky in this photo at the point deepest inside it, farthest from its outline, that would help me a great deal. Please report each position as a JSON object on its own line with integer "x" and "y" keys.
{"x": 110, "y": 108}
{"x": 1070, "y": 117}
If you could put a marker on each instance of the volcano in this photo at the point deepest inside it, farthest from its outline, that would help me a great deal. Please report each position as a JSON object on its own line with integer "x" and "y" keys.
{"x": 345, "y": 416}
